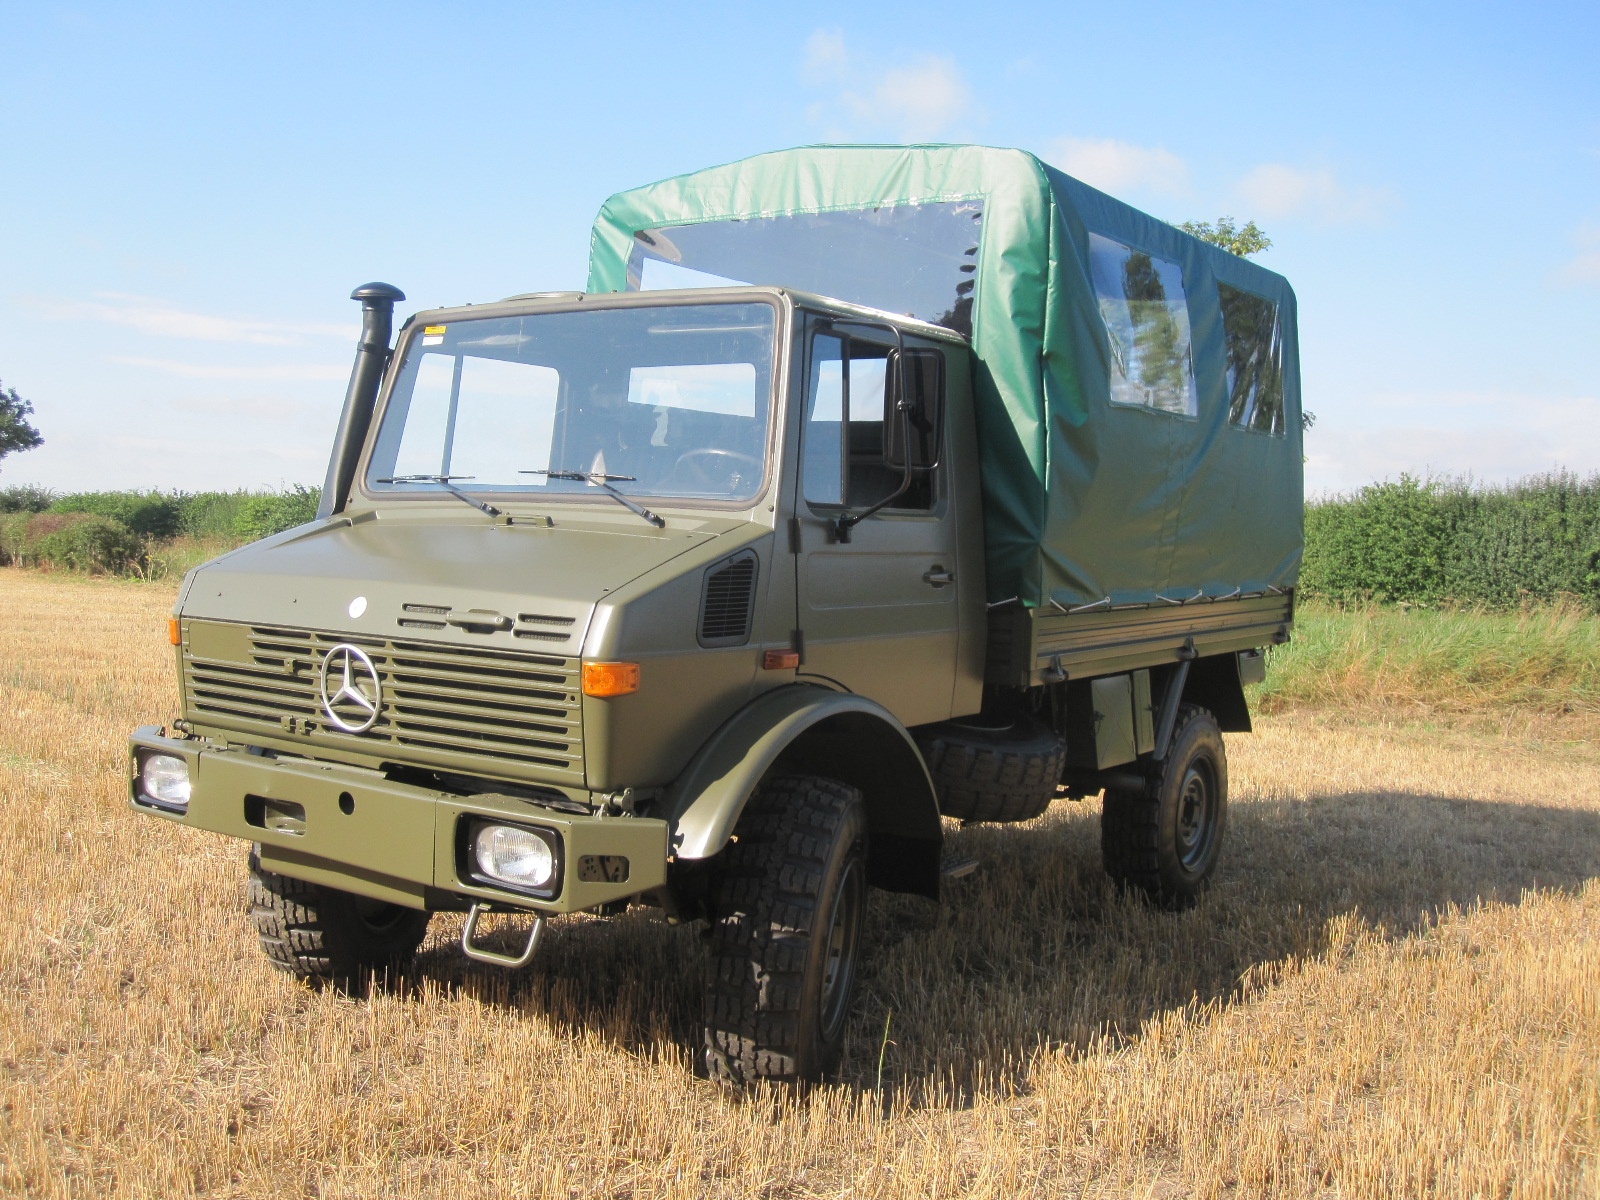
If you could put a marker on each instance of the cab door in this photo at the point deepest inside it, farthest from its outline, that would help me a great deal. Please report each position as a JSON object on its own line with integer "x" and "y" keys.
{"x": 876, "y": 605}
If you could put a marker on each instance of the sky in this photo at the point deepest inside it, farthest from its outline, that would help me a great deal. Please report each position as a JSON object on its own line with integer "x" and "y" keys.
{"x": 188, "y": 193}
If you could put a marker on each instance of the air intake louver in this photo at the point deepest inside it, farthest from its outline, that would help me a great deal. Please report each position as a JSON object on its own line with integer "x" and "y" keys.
{"x": 727, "y": 600}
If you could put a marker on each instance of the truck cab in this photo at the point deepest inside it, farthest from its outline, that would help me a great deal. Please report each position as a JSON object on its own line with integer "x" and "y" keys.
{"x": 594, "y": 551}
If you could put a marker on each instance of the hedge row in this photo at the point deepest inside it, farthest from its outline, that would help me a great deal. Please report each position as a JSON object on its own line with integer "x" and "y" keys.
{"x": 80, "y": 541}
{"x": 1425, "y": 541}
{"x": 1415, "y": 541}
{"x": 162, "y": 515}
{"x": 114, "y": 531}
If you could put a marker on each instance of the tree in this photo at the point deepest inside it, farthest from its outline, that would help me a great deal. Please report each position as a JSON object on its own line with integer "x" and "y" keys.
{"x": 1225, "y": 233}
{"x": 15, "y": 432}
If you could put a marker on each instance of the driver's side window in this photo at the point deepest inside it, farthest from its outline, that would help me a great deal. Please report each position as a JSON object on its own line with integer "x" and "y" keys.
{"x": 846, "y": 462}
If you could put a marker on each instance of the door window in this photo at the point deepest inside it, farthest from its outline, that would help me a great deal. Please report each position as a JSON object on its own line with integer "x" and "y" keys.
{"x": 855, "y": 448}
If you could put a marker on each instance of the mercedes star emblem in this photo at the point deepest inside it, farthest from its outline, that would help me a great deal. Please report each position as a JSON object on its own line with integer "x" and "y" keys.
{"x": 351, "y": 690}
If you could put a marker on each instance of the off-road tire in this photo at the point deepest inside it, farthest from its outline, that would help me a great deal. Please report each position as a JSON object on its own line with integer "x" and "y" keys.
{"x": 1007, "y": 772}
{"x": 326, "y": 936}
{"x": 786, "y": 913}
{"x": 1164, "y": 840}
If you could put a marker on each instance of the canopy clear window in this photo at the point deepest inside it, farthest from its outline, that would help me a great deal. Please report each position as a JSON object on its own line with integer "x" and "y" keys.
{"x": 1147, "y": 324}
{"x": 1255, "y": 360}
{"x": 666, "y": 402}
{"x": 917, "y": 259}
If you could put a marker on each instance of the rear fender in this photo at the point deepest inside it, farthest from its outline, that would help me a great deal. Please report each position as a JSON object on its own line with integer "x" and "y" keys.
{"x": 809, "y": 730}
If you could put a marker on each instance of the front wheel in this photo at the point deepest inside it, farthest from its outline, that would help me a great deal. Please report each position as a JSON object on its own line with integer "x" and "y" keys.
{"x": 326, "y": 936}
{"x": 1165, "y": 839}
{"x": 787, "y": 909}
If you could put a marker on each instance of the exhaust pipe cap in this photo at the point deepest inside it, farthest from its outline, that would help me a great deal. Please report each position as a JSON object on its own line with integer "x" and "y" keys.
{"x": 379, "y": 292}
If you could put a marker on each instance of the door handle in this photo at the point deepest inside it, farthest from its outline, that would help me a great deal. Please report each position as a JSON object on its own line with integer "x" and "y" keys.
{"x": 479, "y": 618}
{"x": 938, "y": 577}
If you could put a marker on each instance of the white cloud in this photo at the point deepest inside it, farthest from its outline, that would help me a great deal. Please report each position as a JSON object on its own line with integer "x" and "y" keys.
{"x": 923, "y": 98}
{"x": 826, "y": 59}
{"x": 1491, "y": 436}
{"x": 157, "y": 319}
{"x": 1583, "y": 267}
{"x": 916, "y": 99}
{"x": 273, "y": 373}
{"x": 1277, "y": 191}
{"x": 1120, "y": 167}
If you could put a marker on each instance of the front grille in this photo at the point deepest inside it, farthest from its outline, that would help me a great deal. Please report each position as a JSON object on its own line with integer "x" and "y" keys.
{"x": 457, "y": 708}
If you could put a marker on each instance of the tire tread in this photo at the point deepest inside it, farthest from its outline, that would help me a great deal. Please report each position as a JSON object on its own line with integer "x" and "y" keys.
{"x": 766, "y": 896}
{"x": 1002, "y": 777}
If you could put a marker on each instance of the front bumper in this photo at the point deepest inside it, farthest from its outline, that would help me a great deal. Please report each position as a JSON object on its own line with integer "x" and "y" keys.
{"x": 352, "y": 829}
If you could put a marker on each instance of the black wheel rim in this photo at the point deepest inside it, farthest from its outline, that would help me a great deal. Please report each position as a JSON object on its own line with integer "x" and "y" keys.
{"x": 839, "y": 954}
{"x": 1197, "y": 814}
{"x": 377, "y": 917}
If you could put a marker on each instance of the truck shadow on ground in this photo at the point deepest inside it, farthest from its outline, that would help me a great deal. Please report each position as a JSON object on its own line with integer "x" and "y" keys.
{"x": 1036, "y": 949}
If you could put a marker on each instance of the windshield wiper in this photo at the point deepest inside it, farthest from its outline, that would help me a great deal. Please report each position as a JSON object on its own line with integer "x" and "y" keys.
{"x": 444, "y": 482}
{"x": 602, "y": 480}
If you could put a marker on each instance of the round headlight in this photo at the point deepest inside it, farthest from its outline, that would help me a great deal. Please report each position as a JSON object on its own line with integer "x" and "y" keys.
{"x": 165, "y": 779}
{"x": 516, "y": 856}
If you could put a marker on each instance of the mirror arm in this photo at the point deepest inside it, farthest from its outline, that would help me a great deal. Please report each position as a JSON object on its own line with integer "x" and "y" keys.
{"x": 845, "y": 521}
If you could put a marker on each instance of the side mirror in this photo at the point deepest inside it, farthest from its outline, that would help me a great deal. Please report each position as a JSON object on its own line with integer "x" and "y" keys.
{"x": 914, "y": 425}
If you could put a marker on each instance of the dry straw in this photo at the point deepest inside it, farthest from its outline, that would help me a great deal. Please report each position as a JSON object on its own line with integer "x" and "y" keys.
{"x": 1391, "y": 992}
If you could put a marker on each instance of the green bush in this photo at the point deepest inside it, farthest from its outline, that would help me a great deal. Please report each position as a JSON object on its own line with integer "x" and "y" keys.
{"x": 263, "y": 516}
{"x": 1538, "y": 538}
{"x": 169, "y": 531}
{"x": 13, "y": 533}
{"x": 1421, "y": 542}
{"x": 25, "y": 499}
{"x": 148, "y": 514}
{"x": 79, "y": 541}
{"x": 209, "y": 515}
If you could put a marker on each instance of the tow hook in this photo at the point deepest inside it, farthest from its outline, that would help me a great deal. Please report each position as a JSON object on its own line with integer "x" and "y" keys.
{"x": 494, "y": 957}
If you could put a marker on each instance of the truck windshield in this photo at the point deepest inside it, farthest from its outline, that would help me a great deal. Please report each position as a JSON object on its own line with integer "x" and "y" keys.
{"x": 672, "y": 401}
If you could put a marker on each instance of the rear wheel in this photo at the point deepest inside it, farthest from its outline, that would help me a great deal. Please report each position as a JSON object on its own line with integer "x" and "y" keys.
{"x": 787, "y": 909}
{"x": 1165, "y": 839}
{"x": 326, "y": 936}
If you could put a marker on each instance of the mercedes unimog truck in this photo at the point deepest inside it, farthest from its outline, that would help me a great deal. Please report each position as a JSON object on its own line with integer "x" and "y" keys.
{"x": 863, "y": 489}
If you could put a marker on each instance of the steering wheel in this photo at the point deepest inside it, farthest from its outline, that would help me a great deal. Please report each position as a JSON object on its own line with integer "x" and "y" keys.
{"x": 710, "y": 468}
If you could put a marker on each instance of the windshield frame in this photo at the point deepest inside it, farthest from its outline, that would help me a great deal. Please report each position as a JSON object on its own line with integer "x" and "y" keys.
{"x": 583, "y": 494}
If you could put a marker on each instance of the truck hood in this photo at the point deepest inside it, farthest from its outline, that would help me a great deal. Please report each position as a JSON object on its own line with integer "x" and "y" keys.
{"x": 527, "y": 586}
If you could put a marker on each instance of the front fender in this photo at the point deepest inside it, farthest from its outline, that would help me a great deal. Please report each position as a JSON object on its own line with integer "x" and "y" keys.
{"x": 812, "y": 730}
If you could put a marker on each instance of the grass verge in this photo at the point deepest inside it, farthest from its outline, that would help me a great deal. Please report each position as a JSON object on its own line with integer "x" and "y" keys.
{"x": 1542, "y": 661}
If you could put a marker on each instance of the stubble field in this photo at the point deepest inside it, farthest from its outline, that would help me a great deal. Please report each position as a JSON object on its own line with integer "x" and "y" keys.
{"x": 1392, "y": 990}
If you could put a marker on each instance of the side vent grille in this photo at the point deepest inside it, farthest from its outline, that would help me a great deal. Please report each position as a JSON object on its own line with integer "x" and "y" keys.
{"x": 727, "y": 601}
{"x": 562, "y": 624}
{"x": 421, "y": 616}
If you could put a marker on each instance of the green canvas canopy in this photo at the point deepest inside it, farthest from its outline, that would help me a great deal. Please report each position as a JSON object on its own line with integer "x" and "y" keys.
{"x": 1137, "y": 389}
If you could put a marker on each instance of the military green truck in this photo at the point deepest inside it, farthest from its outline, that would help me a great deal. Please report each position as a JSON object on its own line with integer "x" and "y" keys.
{"x": 863, "y": 488}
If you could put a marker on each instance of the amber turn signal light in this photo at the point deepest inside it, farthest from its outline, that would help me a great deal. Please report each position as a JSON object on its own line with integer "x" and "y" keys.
{"x": 174, "y": 631}
{"x": 780, "y": 660}
{"x": 610, "y": 678}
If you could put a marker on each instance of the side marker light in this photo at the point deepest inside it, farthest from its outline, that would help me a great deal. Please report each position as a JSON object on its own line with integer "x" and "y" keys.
{"x": 780, "y": 660}
{"x": 174, "y": 631}
{"x": 610, "y": 678}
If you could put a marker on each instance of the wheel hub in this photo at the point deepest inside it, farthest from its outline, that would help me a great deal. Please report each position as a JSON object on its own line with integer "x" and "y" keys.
{"x": 1196, "y": 814}
{"x": 839, "y": 966}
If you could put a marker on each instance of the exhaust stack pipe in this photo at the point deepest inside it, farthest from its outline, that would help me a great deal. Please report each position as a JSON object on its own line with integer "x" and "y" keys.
{"x": 372, "y": 354}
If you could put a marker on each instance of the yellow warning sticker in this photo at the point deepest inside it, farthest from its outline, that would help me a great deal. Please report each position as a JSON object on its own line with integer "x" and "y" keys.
{"x": 433, "y": 330}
